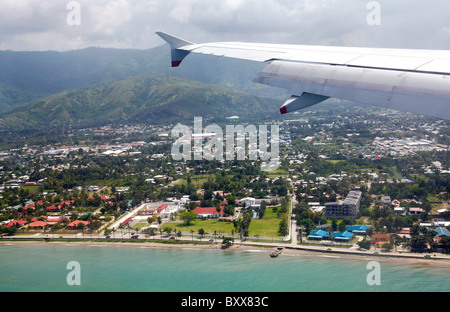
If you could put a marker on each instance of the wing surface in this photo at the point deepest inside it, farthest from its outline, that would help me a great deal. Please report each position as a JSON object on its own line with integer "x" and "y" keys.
{"x": 416, "y": 81}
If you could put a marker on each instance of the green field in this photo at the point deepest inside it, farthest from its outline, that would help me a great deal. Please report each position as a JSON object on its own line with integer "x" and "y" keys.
{"x": 209, "y": 226}
{"x": 197, "y": 180}
{"x": 266, "y": 227}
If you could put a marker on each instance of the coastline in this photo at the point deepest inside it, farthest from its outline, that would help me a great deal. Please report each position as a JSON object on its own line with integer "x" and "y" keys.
{"x": 264, "y": 250}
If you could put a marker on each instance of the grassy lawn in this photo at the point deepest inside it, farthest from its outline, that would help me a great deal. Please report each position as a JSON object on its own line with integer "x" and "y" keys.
{"x": 31, "y": 188}
{"x": 208, "y": 225}
{"x": 266, "y": 227}
{"x": 277, "y": 173}
{"x": 197, "y": 180}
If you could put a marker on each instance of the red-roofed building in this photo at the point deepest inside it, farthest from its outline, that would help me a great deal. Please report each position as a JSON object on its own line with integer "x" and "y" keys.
{"x": 53, "y": 209}
{"x": 32, "y": 206}
{"x": 380, "y": 238}
{"x": 56, "y": 219}
{"x": 126, "y": 222}
{"x": 38, "y": 224}
{"x": 208, "y": 212}
{"x": 162, "y": 207}
{"x": 67, "y": 203}
{"x": 76, "y": 223}
{"x": 16, "y": 223}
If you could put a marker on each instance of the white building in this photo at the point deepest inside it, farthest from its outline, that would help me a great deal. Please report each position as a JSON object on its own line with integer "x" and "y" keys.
{"x": 167, "y": 212}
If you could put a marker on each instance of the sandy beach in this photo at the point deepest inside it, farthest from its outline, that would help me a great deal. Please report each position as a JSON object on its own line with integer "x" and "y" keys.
{"x": 265, "y": 251}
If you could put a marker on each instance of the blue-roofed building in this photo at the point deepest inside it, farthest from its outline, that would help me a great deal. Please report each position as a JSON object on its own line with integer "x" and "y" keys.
{"x": 319, "y": 234}
{"x": 343, "y": 236}
{"x": 441, "y": 232}
{"x": 358, "y": 229}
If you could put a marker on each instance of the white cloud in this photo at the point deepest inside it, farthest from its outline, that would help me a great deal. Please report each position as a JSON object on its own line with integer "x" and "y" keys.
{"x": 181, "y": 13}
{"x": 132, "y": 23}
{"x": 109, "y": 18}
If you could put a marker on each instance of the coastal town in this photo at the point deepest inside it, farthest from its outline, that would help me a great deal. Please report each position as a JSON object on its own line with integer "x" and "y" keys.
{"x": 359, "y": 190}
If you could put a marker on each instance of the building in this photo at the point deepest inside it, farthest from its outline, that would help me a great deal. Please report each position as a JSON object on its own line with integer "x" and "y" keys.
{"x": 248, "y": 201}
{"x": 400, "y": 211}
{"x": 208, "y": 212}
{"x": 386, "y": 200}
{"x": 17, "y": 223}
{"x": 358, "y": 229}
{"x": 169, "y": 210}
{"x": 77, "y": 224}
{"x": 319, "y": 235}
{"x": 415, "y": 210}
{"x": 347, "y": 208}
{"x": 38, "y": 225}
{"x": 343, "y": 236}
{"x": 440, "y": 232}
{"x": 380, "y": 238}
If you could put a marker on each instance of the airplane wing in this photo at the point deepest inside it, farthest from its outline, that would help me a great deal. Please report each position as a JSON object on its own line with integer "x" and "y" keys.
{"x": 417, "y": 81}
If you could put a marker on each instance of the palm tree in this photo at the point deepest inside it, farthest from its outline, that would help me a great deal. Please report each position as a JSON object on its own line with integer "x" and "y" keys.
{"x": 201, "y": 232}
{"x": 330, "y": 235}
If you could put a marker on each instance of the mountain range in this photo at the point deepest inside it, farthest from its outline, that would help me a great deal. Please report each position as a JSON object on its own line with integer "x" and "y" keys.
{"x": 97, "y": 86}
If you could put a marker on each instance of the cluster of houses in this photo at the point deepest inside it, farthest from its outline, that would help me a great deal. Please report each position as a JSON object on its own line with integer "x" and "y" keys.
{"x": 56, "y": 213}
{"x": 376, "y": 239}
{"x": 405, "y": 146}
{"x": 165, "y": 210}
{"x": 43, "y": 223}
{"x": 345, "y": 236}
{"x": 387, "y": 203}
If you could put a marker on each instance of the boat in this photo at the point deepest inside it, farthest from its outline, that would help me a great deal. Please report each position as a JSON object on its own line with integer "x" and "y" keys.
{"x": 276, "y": 252}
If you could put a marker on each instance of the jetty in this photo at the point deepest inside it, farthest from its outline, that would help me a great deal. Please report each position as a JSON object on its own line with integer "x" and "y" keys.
{"x": 276, "y": 252}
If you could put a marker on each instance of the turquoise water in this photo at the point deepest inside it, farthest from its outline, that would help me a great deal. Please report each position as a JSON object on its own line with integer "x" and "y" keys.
{"x": 134, "y": 269}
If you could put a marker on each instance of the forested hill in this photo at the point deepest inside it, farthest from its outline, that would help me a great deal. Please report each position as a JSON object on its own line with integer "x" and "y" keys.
{"x": 147, "y": 98}
{"x": 96, "y": 85}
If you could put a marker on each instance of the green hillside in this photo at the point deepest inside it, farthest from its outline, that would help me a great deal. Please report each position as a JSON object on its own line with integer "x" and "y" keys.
{"x": 148, "y": 98}
{"x": 26, "y": 76}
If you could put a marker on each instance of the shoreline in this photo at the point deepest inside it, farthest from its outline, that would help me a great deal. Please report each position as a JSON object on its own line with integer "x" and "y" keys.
{"x": 249, "y": 247}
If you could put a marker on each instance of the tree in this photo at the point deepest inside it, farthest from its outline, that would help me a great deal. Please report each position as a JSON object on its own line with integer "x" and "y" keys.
{"x": 227, "y": 242}
{"x": 387, "y": 246}
{"x": 188, "y": 217}
{"x": 243, "y": 224}
{"x": 445, "y": 243}
{"x": 262, "y": 209}
{"x": 364, "y": 244}
{"x": 283, "y": 227}
{"x": 168, "y": 230}
{"x": 418, "y": 243}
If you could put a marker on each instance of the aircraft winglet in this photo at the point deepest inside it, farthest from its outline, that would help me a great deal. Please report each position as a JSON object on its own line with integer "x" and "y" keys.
{"x": 175, "y": 44}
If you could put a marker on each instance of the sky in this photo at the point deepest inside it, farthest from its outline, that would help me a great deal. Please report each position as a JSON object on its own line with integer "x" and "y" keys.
{"x": 62, "y": 25}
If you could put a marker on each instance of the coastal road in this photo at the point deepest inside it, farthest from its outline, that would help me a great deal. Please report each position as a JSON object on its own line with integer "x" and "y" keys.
{"x": 292, "y": 221}
{"x": 288, "y": 245}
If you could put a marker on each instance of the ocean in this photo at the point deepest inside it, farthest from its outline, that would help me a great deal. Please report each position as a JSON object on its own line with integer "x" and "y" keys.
{"x": 106, "y": 268}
